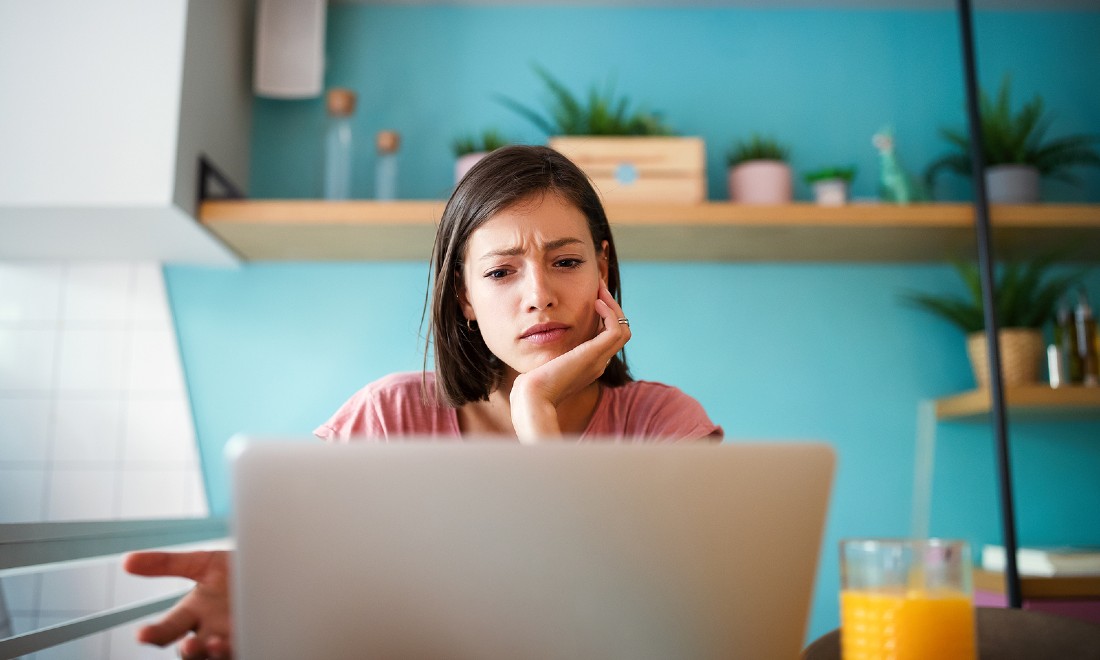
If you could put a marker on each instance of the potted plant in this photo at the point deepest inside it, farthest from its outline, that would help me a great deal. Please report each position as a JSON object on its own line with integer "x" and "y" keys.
{"x": 830, "y": 184}
{"x": 631, "y": 156}
{"x": 758, "y": 172}
{"x": 470, "y": 149}
{"x": 1025, "y": 296}
{"x": 1017, "y": 153}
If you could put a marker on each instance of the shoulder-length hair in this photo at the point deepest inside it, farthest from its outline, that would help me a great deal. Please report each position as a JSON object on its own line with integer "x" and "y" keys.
{"x": 465, "y": 369}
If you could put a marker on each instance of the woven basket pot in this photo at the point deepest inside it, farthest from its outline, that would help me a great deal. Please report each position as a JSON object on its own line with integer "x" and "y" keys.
{"x": 1021, "y": 354}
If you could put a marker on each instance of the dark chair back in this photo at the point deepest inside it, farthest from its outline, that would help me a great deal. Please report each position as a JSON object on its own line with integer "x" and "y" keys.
{"x": 1007, "y": 634}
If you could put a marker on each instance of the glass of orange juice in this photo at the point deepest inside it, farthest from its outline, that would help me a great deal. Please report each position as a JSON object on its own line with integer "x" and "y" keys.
{"x": 905, "y": 599}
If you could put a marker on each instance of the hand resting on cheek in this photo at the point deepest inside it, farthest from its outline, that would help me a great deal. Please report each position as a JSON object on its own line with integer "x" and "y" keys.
{"x": 536, "y": 394}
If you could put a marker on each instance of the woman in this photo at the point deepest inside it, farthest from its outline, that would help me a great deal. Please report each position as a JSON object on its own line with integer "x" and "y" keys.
{"x": 527, "y": 334}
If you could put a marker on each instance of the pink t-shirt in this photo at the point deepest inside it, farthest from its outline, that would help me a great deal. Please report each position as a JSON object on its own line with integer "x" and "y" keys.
{"x": 392, "y": 408}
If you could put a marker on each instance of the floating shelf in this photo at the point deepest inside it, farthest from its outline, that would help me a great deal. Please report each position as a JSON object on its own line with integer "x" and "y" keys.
{"x": 715, "y": 231}
{"x": 1070, "y": 586}
{"x": 1035, "y": 402}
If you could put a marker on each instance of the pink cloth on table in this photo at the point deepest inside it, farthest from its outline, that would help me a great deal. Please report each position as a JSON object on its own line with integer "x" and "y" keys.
{"x": 393, "y": 408}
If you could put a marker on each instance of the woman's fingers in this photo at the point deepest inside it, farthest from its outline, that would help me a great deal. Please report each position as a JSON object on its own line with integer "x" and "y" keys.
{"x": 193, "y": 648}
{"x": 209, "y": 568}
{"x": 614, "y": 310}
{"x": 178, "y": 622}
{"x": 613, "y": 318}
{"x": 218, "y": 647}
{"x": 190, "y": 565}
{"x": 203, "y": 611}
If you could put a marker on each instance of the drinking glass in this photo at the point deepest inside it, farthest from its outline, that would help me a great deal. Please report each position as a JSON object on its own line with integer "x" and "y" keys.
{"x": 904, "y": 599}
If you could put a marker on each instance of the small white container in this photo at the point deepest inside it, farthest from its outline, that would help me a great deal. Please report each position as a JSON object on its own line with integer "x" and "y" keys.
{"x": 831, "y": 192}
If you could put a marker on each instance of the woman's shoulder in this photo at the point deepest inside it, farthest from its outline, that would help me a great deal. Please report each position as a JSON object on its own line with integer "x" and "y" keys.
{"x": 643, "y": 408}
{"x": 401, "y": 382}
{"x": 647, "y": 391}
{"x": 399, "y": 404}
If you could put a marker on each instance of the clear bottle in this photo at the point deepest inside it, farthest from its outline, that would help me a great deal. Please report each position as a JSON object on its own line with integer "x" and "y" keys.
{"x": 385, "y": 174}
{"x": 336, "y": 175}
{"x": 1086, "y": 340}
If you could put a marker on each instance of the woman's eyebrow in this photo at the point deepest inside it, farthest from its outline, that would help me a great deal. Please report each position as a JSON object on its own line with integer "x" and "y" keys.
{"x": 546, "y": 247}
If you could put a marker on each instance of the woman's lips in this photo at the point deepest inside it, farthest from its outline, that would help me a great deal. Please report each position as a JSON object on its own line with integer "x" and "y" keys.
{"x": 544, "y": 333}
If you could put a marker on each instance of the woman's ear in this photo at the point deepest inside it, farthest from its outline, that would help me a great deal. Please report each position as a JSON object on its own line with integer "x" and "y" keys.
{"x": 603, "y": 260}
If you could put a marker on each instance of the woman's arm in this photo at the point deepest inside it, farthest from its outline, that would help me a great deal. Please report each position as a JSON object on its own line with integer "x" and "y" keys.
{"x": 204, "y": 612}
{"x": 536, "y": 394}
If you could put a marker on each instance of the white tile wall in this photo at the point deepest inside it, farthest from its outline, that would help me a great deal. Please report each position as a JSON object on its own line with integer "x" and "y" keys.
{"x": 30, "y": 292}
{"x": 27, "y": 357}
{"x": 95, "y": 424}
{"x": 23, "y": 493}
{"x": 25, "y": 420}
{"x": 83, "y": 429}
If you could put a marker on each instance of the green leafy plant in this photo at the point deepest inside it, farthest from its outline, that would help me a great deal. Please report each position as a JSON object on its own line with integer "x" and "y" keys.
{"x": 757, "y": 148}
{"x": 826, "y": 173}
{"x": 1011, "y": 137}
{"x": 601, "y": 113}
{"x": 1025, "y": 295}
{"x": 488, "y": 140}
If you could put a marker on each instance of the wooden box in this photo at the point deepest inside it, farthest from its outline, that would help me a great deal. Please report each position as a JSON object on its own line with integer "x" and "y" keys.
{"x": 640, "y": 169}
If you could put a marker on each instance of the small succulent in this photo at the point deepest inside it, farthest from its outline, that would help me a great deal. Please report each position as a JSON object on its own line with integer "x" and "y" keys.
{"x": 757, "y": 148}
{"x": 1016, "y": 138}
{"x": 488, "y": 140}
{"x": 600, "y": 114}
{"x": 826, "y": 173}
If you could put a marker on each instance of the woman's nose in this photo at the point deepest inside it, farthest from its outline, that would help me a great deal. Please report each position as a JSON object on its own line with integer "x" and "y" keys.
{"x": 538, "y": 292}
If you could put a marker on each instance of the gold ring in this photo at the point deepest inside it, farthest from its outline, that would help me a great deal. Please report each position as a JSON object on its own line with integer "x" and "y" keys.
{"x": 625, "y": 322}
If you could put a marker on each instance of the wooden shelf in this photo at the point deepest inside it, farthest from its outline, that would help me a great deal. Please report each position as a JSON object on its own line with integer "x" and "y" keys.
{"x": 1033, "y": 402}
{"x": 715, "y": 231}
{"x": 1077, "y": 586}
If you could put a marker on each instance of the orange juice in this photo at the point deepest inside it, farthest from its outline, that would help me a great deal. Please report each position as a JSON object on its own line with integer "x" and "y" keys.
{"x": 902, "y": 626}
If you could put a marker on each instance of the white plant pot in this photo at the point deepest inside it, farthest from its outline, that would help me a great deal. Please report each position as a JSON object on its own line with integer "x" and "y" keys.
{"x": 831, "y": 192}
{"x": 1012, "y": 184}
{"x": 465, "y": 162}
{"x": 760, "y": 182}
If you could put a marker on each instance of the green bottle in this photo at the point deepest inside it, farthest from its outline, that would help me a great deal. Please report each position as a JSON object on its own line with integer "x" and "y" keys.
{"x": 1065, "y": 333}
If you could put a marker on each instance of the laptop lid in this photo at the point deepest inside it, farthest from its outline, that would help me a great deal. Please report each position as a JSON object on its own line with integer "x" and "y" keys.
{"x": 495, "y": 550}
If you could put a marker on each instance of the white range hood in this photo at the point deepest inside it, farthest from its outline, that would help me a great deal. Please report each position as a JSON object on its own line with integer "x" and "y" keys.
{"x": 106, "y": 107}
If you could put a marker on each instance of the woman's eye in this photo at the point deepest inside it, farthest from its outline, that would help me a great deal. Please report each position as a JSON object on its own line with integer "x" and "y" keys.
{"x": 569, "y": 263}
{"x": 496, "y": 274}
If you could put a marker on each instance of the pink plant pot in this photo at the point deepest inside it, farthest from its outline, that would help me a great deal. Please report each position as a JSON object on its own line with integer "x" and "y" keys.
{"x": 760, "y": 182}
{"x": 464, "y": 163}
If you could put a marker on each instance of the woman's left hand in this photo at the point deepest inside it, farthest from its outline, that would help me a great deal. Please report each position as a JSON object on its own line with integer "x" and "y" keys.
{"x": 536, "y": 394}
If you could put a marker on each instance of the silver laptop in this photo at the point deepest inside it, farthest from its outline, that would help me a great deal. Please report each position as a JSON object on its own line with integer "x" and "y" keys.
{"x": 491, "y": 550}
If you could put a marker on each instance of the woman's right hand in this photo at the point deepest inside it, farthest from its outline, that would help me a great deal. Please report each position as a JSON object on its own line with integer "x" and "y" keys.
{"x": 204, "y": 612}
{"x": 536, "y": 394}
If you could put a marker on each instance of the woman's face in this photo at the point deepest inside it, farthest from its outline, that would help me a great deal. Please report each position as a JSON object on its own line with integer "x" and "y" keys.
{"x": 530, "y": 279}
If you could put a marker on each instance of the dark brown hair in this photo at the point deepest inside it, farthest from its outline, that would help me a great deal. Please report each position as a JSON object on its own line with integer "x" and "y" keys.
{"x": 465, "y": 369}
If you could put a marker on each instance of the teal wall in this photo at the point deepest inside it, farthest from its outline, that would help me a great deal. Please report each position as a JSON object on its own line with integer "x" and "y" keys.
{"x": 822, "y": 81}
{"x": 774, "y": 351}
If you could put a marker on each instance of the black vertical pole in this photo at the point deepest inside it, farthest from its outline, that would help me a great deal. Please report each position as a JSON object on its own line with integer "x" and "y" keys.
{"x": 985, "y": 264}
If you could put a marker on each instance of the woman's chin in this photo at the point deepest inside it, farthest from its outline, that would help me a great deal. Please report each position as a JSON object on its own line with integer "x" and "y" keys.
{"x": 532, "y": 362}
